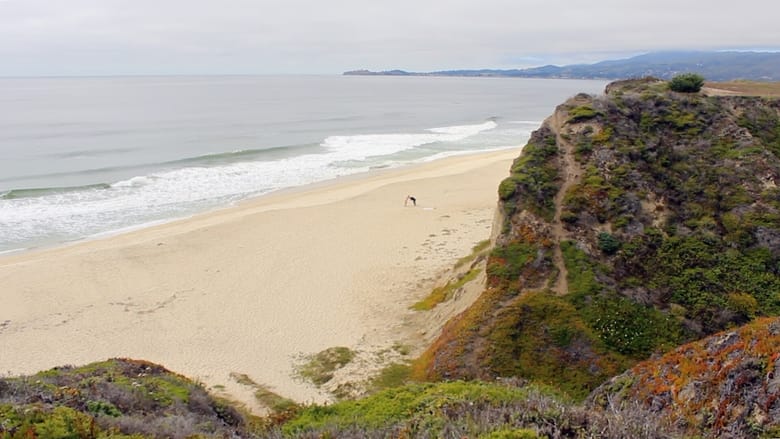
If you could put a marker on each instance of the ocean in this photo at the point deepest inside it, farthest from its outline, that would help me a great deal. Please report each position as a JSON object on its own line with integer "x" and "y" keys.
{"x": 86, "y": 157}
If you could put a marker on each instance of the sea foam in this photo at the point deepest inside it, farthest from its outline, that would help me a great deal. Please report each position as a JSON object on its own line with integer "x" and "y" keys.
{"x": 371, "y": 145}
{"x": 104, "y": 208}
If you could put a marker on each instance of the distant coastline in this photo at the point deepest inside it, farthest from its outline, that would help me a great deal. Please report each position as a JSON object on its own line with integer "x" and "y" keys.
{"x": 715, "y": 66}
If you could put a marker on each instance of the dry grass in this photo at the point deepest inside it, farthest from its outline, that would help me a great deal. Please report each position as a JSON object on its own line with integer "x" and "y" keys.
{"x": 743, "y": 88}
{"x": 446, "y": 292}
{"x": 319, "y": 368}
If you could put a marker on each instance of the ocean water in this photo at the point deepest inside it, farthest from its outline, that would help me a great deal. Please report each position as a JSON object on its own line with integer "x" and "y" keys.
{"x": 81, "y": 157}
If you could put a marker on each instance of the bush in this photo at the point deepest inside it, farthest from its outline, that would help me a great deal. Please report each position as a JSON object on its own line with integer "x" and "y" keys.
{"x": 631, "y": 328}
{"x": 507, "y": 188}
{"x": 687, "y": 83}
{"x": 608, "y": 243}
{"x": 582, "y": 113}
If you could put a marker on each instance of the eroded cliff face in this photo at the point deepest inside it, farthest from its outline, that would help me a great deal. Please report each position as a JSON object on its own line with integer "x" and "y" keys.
{"x": 633, "y": 222}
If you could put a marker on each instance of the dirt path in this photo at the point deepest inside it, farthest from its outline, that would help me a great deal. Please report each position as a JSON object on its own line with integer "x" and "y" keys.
{"x": 742, "y": 88}
{"x": 571, "y": 172}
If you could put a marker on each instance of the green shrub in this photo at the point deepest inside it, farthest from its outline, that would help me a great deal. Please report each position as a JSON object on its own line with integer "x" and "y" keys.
{"x": 507, "y": 261}
{"x": 743, "y": 304}
{"x": 630, "y": 328}
{"x": 507, "y": 188}
{"x": 582, "y": 271}
{"x": 608, "y": 243}
{"x": 686, "y": 83}
{"x": 103, "y": 408}
{"x": 582, "y": 113}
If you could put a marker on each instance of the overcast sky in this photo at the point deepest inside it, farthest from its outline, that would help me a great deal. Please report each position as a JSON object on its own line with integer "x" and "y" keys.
{"x": 94, "y": 37}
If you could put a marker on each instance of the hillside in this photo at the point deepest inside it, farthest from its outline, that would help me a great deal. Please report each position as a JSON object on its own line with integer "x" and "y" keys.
{"x": 716, "y": 66}
{"x": 633, "y": 222}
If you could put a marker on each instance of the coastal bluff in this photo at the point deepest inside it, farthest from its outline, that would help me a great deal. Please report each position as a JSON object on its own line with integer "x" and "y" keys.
{"x": 631, "y": 288}
{"x": 633, "y": 222}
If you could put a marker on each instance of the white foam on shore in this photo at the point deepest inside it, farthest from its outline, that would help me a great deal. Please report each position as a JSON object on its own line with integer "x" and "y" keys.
{"x": 359, "y": 147}
{"x": 160, "y": 197}
{"x": 12, "y": 251}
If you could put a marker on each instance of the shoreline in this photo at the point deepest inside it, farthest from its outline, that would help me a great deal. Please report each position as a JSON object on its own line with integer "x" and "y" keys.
{"x": 109, "y": 234}
{"x": 227, "y": 291}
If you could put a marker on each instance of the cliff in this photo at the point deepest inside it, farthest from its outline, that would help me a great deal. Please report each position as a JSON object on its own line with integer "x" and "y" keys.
{"x": 633, "y": 222}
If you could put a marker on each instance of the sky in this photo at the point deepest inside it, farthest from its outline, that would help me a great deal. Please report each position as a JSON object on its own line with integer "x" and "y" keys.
{"x": 147, "y": 37}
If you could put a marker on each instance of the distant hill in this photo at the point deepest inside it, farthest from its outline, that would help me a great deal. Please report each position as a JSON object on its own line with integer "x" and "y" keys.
{"x": 715, "y": 66}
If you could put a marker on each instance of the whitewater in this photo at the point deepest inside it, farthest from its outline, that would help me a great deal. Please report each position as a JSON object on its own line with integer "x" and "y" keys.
{"x": 85, "y": 157}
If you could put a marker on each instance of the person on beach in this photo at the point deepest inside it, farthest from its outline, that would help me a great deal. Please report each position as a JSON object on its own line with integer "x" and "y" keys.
{"x": 408, "y": 198}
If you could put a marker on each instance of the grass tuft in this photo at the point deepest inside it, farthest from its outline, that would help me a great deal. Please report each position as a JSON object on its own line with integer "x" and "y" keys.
{"x": 319, "y": 368}
{"x": 476, "y": 251}
{"x": 442, "y": 294}
{"x": 273, "y": 400}
{"x": 393, "y": 375}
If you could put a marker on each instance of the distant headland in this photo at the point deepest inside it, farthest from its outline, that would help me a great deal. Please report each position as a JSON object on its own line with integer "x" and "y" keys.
{"x": 715, "y": 66}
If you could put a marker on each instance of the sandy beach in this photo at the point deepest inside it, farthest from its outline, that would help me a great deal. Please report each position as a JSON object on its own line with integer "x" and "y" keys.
{"x": 251, "y": 289}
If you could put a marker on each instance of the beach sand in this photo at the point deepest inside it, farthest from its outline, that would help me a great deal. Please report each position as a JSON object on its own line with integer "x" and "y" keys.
{"x": 252, "y": 289}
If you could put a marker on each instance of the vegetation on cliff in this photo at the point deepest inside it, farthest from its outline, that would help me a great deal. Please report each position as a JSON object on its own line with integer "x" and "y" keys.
{"x": 634, "y": 222}
{"x": 687, "y": 83}
{"x": 114, "y": 399}
{"x": 479, "y": 410}
{"x": 726, "y": 385}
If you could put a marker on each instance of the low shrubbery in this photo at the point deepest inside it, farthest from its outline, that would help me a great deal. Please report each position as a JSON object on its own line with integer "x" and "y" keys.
{"x": 535, "y": 175}
{"x": 582, "y": 113}
{"x": 686, "y": 83}
{"x": 117, "y": 399}
{"x": 468, "y": 409}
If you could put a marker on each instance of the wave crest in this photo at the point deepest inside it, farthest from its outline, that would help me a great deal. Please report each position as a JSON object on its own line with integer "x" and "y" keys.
{"x": 362, "y": 146}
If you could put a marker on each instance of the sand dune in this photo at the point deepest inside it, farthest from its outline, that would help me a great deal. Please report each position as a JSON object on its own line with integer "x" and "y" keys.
{"x": 249, "y": 289}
